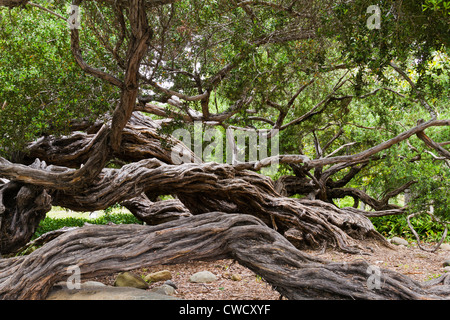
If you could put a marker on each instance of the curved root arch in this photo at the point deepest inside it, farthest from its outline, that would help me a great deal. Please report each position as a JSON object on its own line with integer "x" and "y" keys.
{"x": 99, "y": 250}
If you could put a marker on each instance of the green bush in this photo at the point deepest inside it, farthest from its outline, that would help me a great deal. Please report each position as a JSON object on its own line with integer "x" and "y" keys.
{"x": 391, "y": 226}
{"x": 50, "y": 224}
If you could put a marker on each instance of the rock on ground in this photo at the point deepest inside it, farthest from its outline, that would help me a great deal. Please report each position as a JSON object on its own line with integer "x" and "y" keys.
{"x": 128, "y": 279}
{"x": 399, "y": 241}
{"x": 203, "y": 277}
{"x": 158, "y": 276}
{"x": 236, "y": 277}
{"x": 164, "y": 289}
{"x": 106, "y": 293}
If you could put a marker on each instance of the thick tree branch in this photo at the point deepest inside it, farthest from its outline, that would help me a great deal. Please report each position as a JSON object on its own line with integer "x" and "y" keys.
{"x": 140, "y": 140}
{"x": 139, "y": 42}
{"x": 76, "y": 51}
{"x": 61, "y": 177}
{"x": 378, "y": 205}
{"x": 434, "y": 145}
{"x": 154, "y": 213}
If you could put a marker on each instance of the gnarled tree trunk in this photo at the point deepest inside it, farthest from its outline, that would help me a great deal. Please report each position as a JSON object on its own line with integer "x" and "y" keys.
{"x": 211, "y": 187}
{"x": 98, "y": 250}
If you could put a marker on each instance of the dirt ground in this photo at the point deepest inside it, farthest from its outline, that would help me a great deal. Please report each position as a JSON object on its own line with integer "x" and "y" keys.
{"x": 411, "y": 261}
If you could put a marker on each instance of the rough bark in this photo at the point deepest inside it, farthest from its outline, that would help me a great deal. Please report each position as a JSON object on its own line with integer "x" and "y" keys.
{"x": 99, "y": 250}
{"x": 154, "y": 213}
{"x": 40, "y": 174}
{"x": 22, "y": 207}
{"x": 203, "y": 188}
{"x": 211, "y": 187}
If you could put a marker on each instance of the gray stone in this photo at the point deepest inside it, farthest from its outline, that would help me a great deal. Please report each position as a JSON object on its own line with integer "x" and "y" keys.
{"x": 446, "y": 263}
{"x": 447, "y": 269}
{"x": 203, "y": 277}
{"x": 158, "y": 276}
{"x": 171, "y": 283}
{"x": 399, "y": 241}
{"x": 107, "y": 293}
{"x": 128, "y": 279}
{"x": 164, "y": 289}
{"x": 445, "y": 247}
{"x": 83, "y": 285}
{"x": 92, "y": 284}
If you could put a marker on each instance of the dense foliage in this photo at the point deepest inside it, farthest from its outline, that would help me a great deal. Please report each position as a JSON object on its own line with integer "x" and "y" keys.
{"x": 43, "y": 89}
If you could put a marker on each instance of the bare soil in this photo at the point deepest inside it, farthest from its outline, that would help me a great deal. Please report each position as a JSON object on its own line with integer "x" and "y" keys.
{"x": 411, "y": 261}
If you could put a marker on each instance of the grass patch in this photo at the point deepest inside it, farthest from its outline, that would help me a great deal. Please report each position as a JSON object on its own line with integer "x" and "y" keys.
{"x": 58, "y": 218}
{"x": 390, "y": 226}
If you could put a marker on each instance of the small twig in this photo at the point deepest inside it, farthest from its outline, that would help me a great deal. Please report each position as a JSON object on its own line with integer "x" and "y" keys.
{"x": 408, "y": 219}
{"x": 47, "y": 10}
{"x": 340, "y": 148}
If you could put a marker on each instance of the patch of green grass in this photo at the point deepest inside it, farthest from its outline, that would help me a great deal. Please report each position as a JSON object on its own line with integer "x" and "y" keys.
{"x": 59, "y": 218}
{"x": 432, "y": 276}
{"x": 345, "y": 202}
{"x": 61, "y": 213}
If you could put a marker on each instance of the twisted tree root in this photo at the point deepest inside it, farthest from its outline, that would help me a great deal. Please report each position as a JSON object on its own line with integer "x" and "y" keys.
{"x": 100, "y": 250}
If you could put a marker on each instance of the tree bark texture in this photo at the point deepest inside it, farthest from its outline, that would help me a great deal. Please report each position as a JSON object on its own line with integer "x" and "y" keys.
{"x": 140, "y": 140}
{"x": 22, "y": 207}
{"x": 154, "y": 213}
{"x": 202, "y": 188}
